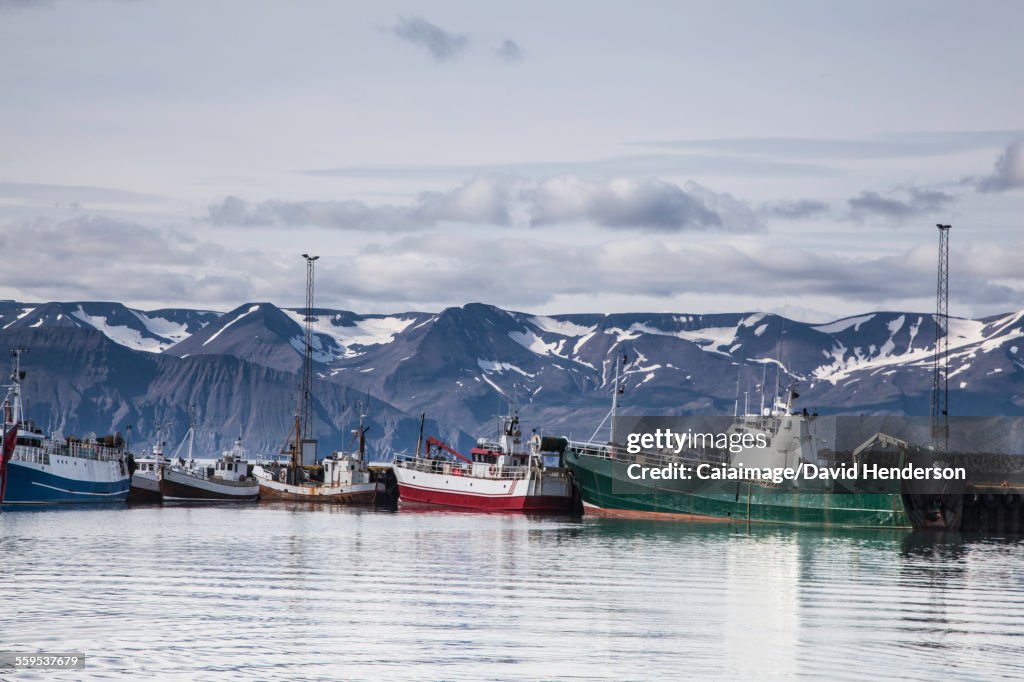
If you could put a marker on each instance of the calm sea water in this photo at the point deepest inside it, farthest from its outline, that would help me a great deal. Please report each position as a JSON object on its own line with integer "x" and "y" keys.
{"x": 284, "y": 593}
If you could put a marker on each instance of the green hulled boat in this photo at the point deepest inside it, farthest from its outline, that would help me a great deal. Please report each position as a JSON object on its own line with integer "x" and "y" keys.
{"x": 742, "y": 483}
{"x": 605, "y": 487}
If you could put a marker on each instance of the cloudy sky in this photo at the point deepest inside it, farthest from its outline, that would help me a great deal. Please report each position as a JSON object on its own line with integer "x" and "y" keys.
{"x": 549, "y": 157}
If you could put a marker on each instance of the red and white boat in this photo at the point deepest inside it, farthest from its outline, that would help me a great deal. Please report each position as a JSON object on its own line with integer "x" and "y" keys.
{"x": 496, "y": 476}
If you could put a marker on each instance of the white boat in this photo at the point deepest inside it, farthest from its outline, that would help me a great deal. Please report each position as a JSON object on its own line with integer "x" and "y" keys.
{"x": 347, "y": 479}
{"x": 228, "y": 480}
{"x": 42, "y": 469}
{"x": 497, "y": 476}
{"x": 145, "y": 479}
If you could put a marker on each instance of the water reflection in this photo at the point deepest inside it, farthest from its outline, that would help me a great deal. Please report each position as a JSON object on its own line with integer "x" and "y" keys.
{"x": 284, "y": 591}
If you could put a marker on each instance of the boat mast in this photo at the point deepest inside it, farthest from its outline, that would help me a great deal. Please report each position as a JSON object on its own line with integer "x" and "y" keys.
{"x": 615, "y": 402}
{"x": 362, "y": 439}
{"x": 191, "y": 433}
{"x": 736, "y": 403}
{"x": 17, "y": 375}
{"x": 616, "y": 390}
{"x": 764, "y": 387}
{"x": 419, "y": 439}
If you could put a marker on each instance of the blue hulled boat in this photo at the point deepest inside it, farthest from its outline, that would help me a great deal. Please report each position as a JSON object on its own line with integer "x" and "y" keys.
{"x": 40, "y": 469}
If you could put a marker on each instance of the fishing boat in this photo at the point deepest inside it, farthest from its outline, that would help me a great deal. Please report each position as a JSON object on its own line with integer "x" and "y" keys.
{"x": 227, "y": 480}
{"x": 145, "y": 486}
{"x": 340, "y": 478}
{"x": 40, "y": 469}
{"x": 606, "y": 475}
{"x": 498, "y": 475}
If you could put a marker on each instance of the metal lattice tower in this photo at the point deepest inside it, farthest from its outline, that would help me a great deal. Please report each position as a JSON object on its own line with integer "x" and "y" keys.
{"x": 940, "y": 378}
{"x": 306, "y": 394}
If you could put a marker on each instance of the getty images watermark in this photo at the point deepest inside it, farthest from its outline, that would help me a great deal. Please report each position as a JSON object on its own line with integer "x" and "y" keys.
{"x": 802, "y": 472}
{"x": 668, "y": 441}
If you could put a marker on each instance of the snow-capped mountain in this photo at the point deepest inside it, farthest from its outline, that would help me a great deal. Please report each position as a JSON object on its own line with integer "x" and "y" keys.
{"x": 561, "y": 368}
{"x": 462, "y": 365}
{"x": 79, "y": 380}
{"x": 272, "y": 336}
{"x": 153, "y": 331}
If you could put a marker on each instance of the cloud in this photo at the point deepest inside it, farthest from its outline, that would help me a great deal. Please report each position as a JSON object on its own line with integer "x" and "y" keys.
{"x": 509, "y": 50}
{"x": 94, "y": 257}
{"x": 914, "y": 202}
{"x": 483, "y": 200}
{"x": 486, "y": 200}
{"x": 1008, "y": 172}
{"x": 647, "y": 204}
{"x": 795, "y": 210}
{"x": 82, "y": 259}
{"x": 619, "y": 203}
{"x": 733, "y": 214}
{"x": 441, "y": 44}
{"x": 426, "y": 271}
{"x": 343, "y": 215}
{"x": 886, "y": 146}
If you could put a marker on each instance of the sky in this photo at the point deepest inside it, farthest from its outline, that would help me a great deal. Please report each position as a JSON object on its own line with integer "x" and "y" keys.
{"x": 691, "y": 157}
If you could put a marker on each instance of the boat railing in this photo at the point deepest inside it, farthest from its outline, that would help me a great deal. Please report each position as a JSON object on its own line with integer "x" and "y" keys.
{"x": 41, "y": 454}
{"x": 448, "y": 467}
{"x": 88, "y": 451}
{"x": 32, "y": 455}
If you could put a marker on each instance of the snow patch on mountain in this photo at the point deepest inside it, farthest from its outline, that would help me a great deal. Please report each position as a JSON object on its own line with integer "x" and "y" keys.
{"x": 220, "y": 331}
{"x": 493, "y": 385}
{"x": 751, "y": 320}
{"x": 499, "y": 367}
{"x": 581, "y": 342}
{"x": 23, "y": 313}
{"x": 320, "y": 351}
{"x": 159, "y": 326}
{"x": 967, "y": 338}
{"x": 131, "y": 338}
{"x": 844, "y": 324}
{"x": 711, "y": 339}
{"x": 560, "y": 327}
{"x": 367, "y": 331}
{"x": 531, "y": 341}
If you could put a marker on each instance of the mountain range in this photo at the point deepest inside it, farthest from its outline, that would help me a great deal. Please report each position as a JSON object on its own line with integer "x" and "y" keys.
{"x": 100, "y": 366}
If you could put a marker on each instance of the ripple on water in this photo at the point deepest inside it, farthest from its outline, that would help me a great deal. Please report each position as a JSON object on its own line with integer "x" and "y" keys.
{"x": 278, "y": 592}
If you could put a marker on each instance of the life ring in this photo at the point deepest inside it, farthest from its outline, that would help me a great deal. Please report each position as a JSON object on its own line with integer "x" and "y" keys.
{"x": 493, "y": 470}
{"x": 1011, "y": 500}
{"x": 991, "y": 501}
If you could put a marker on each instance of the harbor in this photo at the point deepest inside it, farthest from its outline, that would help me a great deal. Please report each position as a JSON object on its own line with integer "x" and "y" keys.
{"x": 511, "y": 341}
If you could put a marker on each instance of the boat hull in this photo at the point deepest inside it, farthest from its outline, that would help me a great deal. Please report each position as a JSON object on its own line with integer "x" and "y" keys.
{"x": 356, "y": 494}
{"x": 606, "y": 488}
{"x": 524, "y": 503}
{"x": 145, "y": 488}
{"x": 176, "y": 486}
{"x": 467, "y": 492}
{"x": 66, "y": 481}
